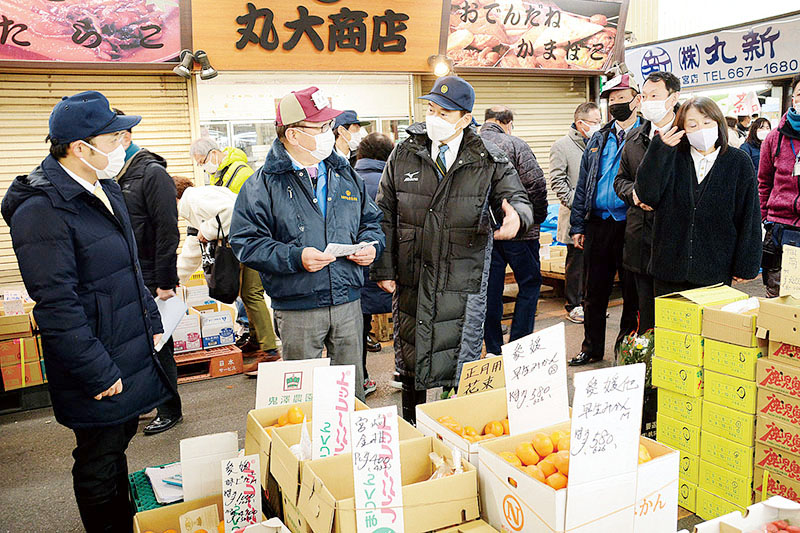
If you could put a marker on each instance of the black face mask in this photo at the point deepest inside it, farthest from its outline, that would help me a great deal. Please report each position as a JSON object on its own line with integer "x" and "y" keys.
{"x": 621, "y": 112}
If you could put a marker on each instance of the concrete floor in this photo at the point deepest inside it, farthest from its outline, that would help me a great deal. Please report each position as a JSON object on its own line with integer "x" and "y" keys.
{"x": 35, "y": 451}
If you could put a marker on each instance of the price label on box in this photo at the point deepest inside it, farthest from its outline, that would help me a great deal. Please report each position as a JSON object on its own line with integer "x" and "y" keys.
{"x": 334, "y": 393}
{"x": 241, "y": 493}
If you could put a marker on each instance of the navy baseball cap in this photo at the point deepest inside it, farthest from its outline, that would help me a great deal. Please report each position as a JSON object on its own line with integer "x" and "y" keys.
{"x": 86, "y": 114}
{"x": 347, "y": 118}
{"x": 452, "y": 93}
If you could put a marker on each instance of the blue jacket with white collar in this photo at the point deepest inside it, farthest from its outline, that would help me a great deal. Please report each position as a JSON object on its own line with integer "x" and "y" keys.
{"x": 277, "y": 216}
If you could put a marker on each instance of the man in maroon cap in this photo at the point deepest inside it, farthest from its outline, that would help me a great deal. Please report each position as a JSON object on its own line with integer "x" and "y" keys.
{"x": 303, "y": 199}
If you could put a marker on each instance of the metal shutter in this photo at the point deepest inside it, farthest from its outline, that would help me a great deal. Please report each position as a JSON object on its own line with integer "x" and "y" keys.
{"x": 27, "y": 99}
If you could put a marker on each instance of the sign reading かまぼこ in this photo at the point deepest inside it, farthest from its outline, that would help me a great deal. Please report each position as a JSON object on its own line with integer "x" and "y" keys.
{"x": 317, "y": 35}
{"x": 748, "y": 52}
{"x": 90, "y": 31}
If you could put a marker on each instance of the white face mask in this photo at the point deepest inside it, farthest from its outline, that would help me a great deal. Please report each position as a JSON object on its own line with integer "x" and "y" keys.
{"x": 762, "y": 134}
{"x": 439, "y": 129}
{"x": 703, "y": 140}
{"x": 116, "y": 160}
{"x": 209, "y": 166}
{"x": 654, "y": 110}
{"x": 355, "y": 140}
{"x": 591, "y": 128}
{"x": 325, "y": 142}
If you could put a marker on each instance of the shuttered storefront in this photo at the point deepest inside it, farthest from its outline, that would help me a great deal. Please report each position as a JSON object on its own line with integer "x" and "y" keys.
{"x": 164, "y": 101}
{"x": 543, "y": 107}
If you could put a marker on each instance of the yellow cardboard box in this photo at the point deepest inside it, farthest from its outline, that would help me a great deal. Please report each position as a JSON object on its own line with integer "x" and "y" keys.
{"x": 775, "y": 375}
{"x": 726, "y": 454}
{"x": 680, "y": 407}
{"x": 727, "y": 485}
{"x": 736, "y": 393}
{"x": 711, "y": 506}
{"x": 683, "y": 311}
{"x": 687, "y": 495}
{"x": 785, "y": 352}
{"x": 679, "y": 435}
{"x": 781, "y": 317}
{"x": 677, "y": 377}
{"x": 779, "y": 406}
{"x": 733, "y": 328}
{"x": 689, "y": 469}
{"x": 679, "y": 346}
{"x": 730, "y": 424}
{"x": 732, "y": 359}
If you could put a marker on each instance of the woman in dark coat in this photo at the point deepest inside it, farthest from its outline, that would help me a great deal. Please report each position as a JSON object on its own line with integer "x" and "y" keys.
{"x": 758, "y": 131}
{"x": 372, "y": 154}
{"x": 705, "y": 197}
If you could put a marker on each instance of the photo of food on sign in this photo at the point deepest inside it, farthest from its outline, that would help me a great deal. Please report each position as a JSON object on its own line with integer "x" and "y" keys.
{"x": 89, "y": 31}
{"x": 523, "y": 34}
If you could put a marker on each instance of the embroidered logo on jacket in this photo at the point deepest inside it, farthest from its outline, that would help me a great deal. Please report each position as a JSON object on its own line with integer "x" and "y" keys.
{"x": 348, "y": 196}
{"x": 412, "y": 176}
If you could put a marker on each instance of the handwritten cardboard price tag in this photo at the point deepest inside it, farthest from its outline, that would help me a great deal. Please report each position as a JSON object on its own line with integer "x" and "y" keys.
{"x": 604, "y": 449}
{"x": 286, "y": 382}
{"x": 13, "y": 304}
{"x": 334, "y": 400}
{"x": 481, "y": 376}
{"x": 241, "y": 493}
{"x": 535, "y": 370}
{"x": 790, "y": 271}
{"x": 377, "y": 477}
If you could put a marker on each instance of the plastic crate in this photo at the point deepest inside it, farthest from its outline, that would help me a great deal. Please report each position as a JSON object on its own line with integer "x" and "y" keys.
{"x": 142, "y": 494}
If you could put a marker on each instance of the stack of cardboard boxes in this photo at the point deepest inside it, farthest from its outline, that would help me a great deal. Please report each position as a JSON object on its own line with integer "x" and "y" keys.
{"x": 552, "y": 257}
{"x": 208, "y": 323}
{"x": 21, "y": 363}
{"x": 679, "y": 374}
{"x": 777, "y": 450}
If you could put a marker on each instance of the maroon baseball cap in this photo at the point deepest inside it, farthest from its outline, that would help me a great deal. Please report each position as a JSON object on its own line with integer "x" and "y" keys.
{"x": 618, "y": 83}
{"x": 309, "y": 104}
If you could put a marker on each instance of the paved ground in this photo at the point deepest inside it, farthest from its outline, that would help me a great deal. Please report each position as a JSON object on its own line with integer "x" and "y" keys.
{"x": 35, "y": 451}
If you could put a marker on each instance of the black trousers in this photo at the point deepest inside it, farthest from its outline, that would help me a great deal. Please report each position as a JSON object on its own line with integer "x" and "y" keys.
{"x": 171, "y": 408}
{"x": 367, "y": 331}
{"x": 602, "y": 259}
{"x": 411, "y": 397}
{"x": 100, "y": 477}
{"x": 575, "y": 278}
{"x": 645, "y": 288}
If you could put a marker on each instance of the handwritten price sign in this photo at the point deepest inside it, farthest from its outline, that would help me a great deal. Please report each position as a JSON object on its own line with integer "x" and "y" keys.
{"x": 334, "y": 400}
{"x": 790, "y": 271}
{"x": 481, "y": 376}
{"x": 377, "y": 476}
{"x": 241, "y": 493}
{"x": 536, "y": 380}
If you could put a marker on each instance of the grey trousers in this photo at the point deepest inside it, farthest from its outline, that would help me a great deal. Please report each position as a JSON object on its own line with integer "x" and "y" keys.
{"x": 339, "y": 328}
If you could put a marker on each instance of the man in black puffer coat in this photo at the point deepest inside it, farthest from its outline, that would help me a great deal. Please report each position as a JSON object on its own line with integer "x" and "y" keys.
{"x": 149, "y": 193}
{"x": 77, "y": 256}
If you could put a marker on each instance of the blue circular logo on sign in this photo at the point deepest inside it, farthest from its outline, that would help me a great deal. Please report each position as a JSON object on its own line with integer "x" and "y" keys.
{"x": 656, "y": 59}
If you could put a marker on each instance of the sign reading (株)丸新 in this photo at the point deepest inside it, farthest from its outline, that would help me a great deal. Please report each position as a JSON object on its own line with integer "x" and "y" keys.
{"x": 241, "y": 493}
{"x": 318, "y": 35}
{"x": 744, "y": 53}
{"x": 334, "y": 400}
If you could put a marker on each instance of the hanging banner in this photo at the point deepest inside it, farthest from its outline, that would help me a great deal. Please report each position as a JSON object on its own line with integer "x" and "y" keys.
{"x": 90, "y": 31}
{"x": 748, "y": 52}
{"x": 526, "y": 34}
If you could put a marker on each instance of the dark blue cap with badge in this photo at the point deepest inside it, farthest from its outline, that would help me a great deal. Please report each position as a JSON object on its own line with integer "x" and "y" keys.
{"x": 348, "y": 118}
{"x": 452, "y": 93}
{"x": 86, "y": 114}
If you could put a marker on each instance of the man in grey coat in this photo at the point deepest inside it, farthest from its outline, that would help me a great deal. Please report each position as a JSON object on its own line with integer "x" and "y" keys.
{"x": 565, "y": 165}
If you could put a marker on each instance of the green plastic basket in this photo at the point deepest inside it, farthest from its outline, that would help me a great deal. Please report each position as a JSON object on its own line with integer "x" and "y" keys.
{"x": 142, "y": 494}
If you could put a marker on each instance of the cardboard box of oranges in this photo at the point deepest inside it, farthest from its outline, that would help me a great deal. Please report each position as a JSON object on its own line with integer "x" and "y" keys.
{"x": 167, "y": 519}
{"x": 466, "y": 422}
{"x": 529, "y": 473}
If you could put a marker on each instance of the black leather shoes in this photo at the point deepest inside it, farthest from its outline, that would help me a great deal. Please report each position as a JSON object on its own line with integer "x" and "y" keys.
{"x": 583, "y": 359}
{"x": 373, "y": 345}
{"x": 160, "y": 425}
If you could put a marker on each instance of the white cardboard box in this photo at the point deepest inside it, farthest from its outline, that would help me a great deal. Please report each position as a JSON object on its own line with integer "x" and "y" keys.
{"x": 216, "y": 324}
{"x": 508, "y": 494}
{"x": 187, "y": 336}
{"x": 776, "y": 508}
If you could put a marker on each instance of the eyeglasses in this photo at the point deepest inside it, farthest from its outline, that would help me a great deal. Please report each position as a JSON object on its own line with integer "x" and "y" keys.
{"x": 205, "y": 159}
{"x": 328, "y": 126}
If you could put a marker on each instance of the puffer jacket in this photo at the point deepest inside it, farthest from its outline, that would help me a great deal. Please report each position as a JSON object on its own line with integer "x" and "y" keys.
{"x": 96, "y": 317}
{"x": 530, "y": 173}
{"x": 565, "y": 166}
{"x": 778, "y": 188}
{"x": 276, "y": 217}
{"x": 149, "y": 193}
{"x": 438, "y": 250}
{"x": 234, "y": 171}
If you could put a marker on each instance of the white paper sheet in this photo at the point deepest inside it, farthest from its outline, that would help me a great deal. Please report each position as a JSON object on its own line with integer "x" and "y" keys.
{"x": 343, "y": 250}
{"x": 172, "y": 312}
{"x": 164, "y": 492}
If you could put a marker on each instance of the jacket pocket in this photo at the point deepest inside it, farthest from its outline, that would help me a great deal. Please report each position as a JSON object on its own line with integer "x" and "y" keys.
{"x": 105, "y": 318}
{"x": 465, "y": 260}
{"x": 406, "y": 256}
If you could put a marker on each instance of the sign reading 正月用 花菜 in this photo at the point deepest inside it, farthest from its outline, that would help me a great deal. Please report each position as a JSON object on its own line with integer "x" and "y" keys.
{"x": 534, "y": 34}
{"x": 318, "y": 35}
{"x": 90, "y": 31}
{"x": 742, "y": 53}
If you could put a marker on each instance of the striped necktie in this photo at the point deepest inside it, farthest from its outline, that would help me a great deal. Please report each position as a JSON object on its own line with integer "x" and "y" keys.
{"x": 100, "y": 193}
{"x": 441, "y": 164}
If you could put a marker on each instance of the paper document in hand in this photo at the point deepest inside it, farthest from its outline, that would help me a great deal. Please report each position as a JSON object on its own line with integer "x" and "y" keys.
{"x": 343, "y": 250}
{"x": 172, "y": 312}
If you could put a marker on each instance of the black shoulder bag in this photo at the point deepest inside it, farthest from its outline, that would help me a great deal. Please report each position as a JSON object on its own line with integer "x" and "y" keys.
{"x": 221, "y": 268}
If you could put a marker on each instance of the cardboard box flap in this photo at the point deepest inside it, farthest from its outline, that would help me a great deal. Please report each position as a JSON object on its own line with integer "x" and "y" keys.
{"x": 318, "y": 504}
{"x": 725, "y": 326}
{"x": 711, "y": 295}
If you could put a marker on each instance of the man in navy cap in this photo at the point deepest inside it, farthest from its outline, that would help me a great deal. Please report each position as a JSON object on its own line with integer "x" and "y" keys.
{"x": 77, "y": 255}
{"x": 443, "y": 191}
{"x": 347, "y": 130}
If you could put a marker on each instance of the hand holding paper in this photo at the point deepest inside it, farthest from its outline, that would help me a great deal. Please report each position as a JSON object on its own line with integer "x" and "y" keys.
{"x": 343, "y": 250}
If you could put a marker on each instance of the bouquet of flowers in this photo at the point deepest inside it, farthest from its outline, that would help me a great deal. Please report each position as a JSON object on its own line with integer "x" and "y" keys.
{"x": 639, "y": 349}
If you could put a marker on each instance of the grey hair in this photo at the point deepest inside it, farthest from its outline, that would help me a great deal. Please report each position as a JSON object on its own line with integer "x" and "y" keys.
{"x": 202, "y": 146}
